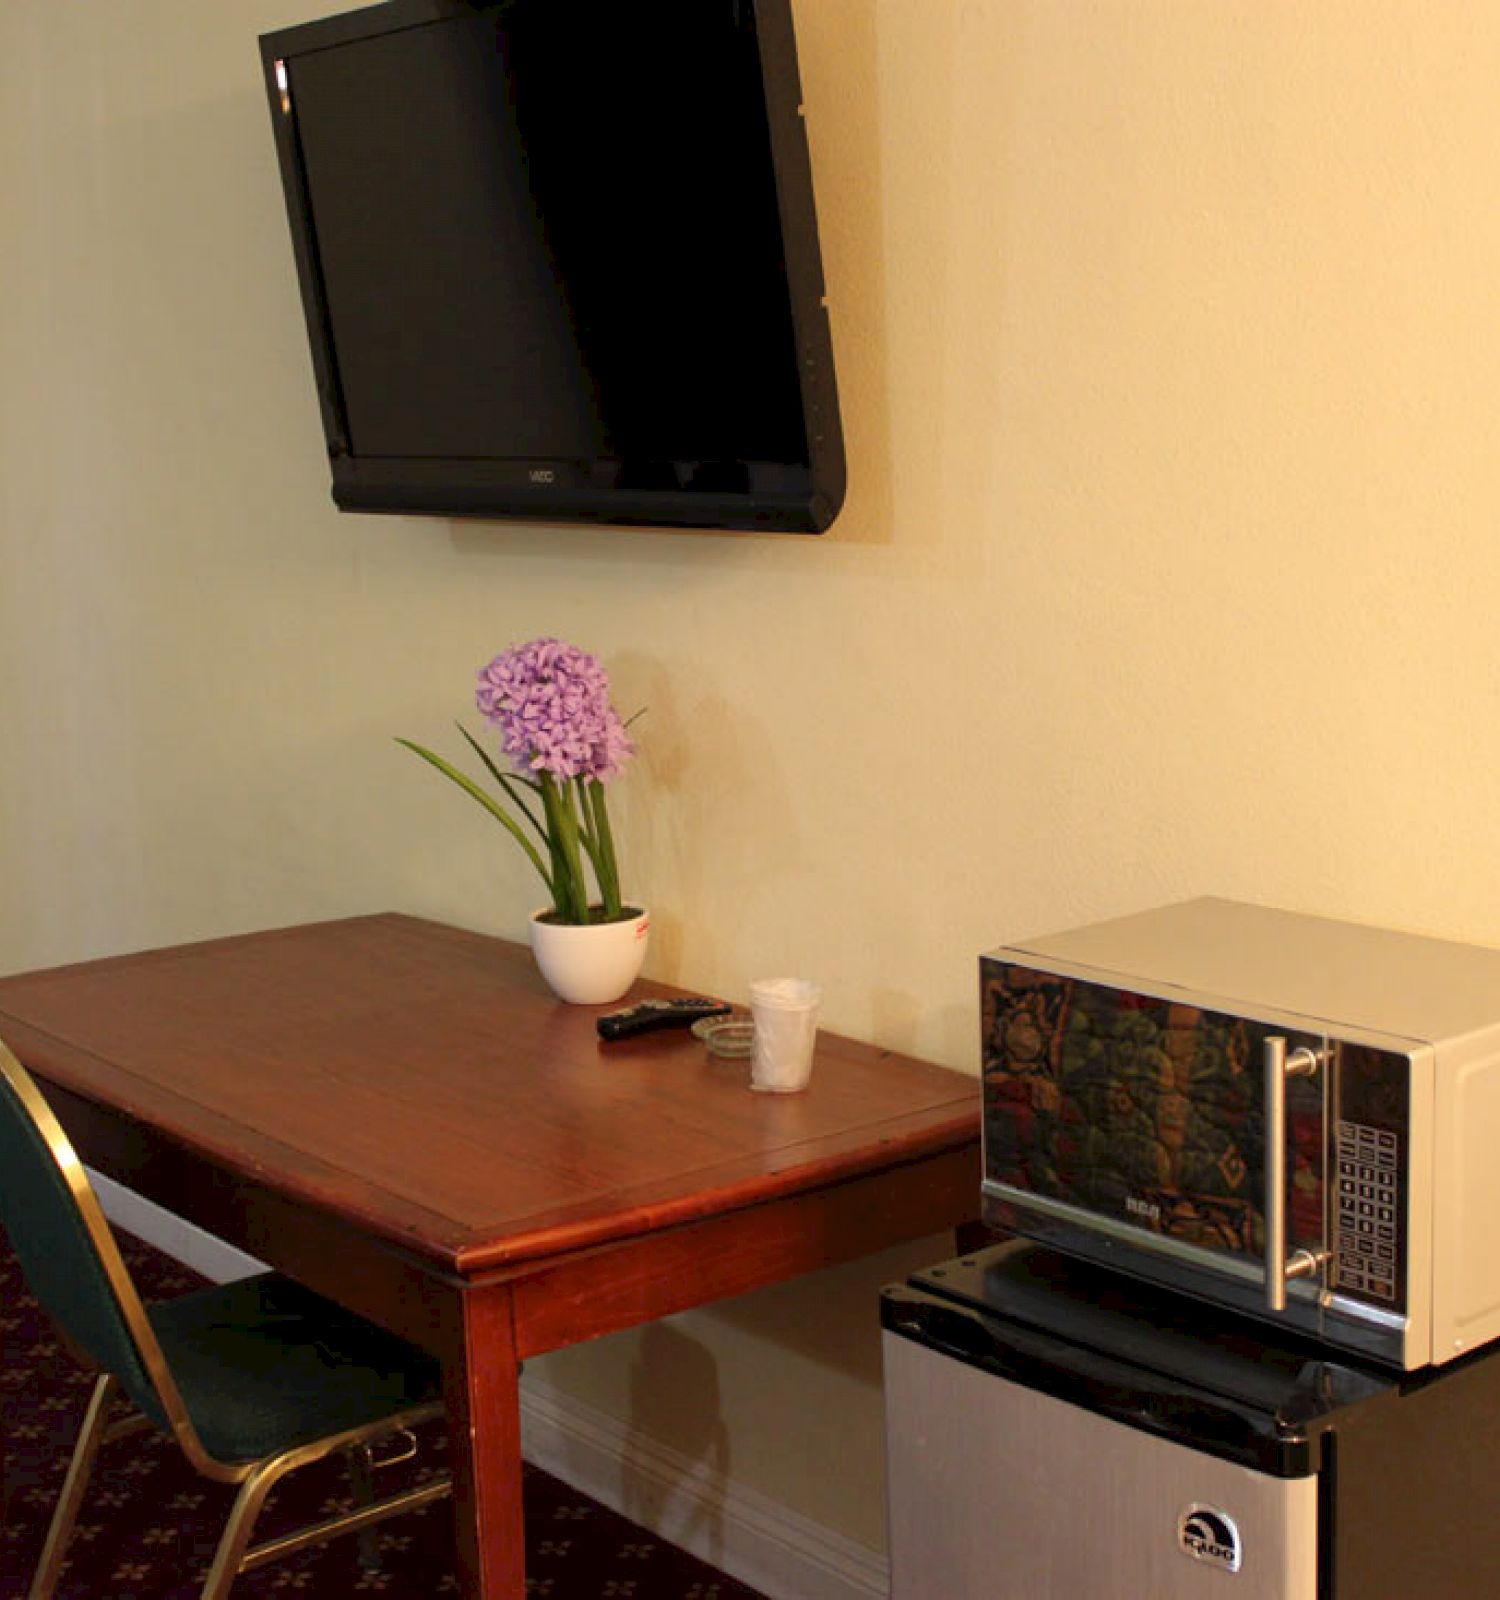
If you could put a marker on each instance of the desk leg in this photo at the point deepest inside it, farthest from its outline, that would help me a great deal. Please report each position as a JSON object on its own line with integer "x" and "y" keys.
{"x": 484, "y": 1421}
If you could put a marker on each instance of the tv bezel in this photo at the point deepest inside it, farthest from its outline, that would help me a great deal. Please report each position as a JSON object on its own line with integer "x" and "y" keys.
{"x": 548, "y": 490}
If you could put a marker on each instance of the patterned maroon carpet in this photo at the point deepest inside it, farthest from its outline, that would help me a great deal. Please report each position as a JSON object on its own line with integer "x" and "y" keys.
{"x": 149, "y": 1524}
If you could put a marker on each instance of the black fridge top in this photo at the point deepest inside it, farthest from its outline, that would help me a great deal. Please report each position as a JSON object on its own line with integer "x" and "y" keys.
{"x": 1143, "y": 1356}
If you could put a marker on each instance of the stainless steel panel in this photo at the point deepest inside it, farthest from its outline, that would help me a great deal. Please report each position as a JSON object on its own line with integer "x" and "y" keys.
{"x": 1000, "y": 1493}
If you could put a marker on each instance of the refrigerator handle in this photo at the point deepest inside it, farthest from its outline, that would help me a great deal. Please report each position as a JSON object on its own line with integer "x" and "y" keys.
{"x": 1279, "y": 1066}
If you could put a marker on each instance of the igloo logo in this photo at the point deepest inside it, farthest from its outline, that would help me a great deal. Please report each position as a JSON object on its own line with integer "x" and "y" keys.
{"x": 1207, "y": 1534}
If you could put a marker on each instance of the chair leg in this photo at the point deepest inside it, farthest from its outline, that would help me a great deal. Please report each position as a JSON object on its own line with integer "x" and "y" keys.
{"x": 90, "y": 1437}
{"x": 362, "y": 1482}
{"x": 235, "y": 1539}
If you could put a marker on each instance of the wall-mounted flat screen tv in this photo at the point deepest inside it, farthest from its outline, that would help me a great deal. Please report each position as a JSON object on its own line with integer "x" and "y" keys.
{"x": 559, "y": 260}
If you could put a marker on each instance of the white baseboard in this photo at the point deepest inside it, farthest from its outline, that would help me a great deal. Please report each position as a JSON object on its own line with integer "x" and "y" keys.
{"x": 183, "y": 1240}
{"x": 693, "y": 1505}
{"x": 735, "y": 1528}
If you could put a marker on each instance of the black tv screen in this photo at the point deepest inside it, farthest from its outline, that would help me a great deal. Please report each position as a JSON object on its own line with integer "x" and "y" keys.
{"x": 559, "y": 260}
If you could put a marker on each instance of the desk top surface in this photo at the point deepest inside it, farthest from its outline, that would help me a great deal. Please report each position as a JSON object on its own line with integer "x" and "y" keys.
{"x": 422, "y": 1082}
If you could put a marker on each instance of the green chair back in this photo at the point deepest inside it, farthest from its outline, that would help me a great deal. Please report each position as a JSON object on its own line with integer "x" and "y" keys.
{"x": 66, "y": 1251}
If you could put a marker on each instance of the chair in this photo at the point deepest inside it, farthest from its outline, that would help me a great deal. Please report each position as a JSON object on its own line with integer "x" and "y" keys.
{"x": 252, "y": 1378}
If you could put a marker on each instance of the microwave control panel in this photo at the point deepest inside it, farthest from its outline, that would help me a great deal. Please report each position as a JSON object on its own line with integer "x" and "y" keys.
{"x": 1369, "y": 1122}
{"x": 1366, "y": 1237}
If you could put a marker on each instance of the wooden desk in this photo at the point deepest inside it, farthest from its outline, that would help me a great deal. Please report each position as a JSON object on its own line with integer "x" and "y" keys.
{"x": 399, "y": 1114}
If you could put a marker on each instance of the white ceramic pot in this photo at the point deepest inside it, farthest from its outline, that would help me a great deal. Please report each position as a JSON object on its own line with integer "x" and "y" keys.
{"x": 589, "y": 964}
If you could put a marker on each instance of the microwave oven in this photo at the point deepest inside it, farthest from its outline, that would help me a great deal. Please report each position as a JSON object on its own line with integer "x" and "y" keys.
{"x": 1287, "y": 1115}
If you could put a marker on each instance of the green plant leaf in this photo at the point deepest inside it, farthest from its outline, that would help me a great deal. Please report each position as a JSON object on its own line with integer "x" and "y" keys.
{"x": 490, "y": 804}
{"x": 588, "y": 838}
{"x": 506, "y": 782}
{"x": 606, "y": 866}
{"x": 571, "y": 886}
{"x": 586, "y": 821}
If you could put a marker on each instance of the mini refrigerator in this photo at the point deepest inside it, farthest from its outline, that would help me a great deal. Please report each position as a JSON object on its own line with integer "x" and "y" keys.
{"x": 1057, "y": 1431}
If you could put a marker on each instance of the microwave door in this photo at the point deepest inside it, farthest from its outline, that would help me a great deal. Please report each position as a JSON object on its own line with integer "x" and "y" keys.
{"x": 1148, "y": 1133}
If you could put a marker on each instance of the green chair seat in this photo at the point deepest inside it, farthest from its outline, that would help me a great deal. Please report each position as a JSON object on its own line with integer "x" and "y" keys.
{"x": 264, "y": 1365}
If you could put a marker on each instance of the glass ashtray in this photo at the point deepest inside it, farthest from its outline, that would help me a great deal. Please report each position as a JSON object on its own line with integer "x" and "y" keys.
{"x": 730, "y": 1037}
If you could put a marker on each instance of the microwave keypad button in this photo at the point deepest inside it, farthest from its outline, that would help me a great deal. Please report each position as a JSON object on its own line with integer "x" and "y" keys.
{"x": 1365, "y": 1215}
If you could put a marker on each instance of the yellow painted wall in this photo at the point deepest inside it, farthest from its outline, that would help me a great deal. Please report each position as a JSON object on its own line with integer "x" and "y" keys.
{"x": 1170, "y": 355}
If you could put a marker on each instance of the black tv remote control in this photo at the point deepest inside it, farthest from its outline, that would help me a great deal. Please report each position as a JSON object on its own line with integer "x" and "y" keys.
{"x": 651, "y": 1015}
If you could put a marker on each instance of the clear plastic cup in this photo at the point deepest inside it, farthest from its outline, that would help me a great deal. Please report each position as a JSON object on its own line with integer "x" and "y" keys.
{"x": 785, "y": 1012}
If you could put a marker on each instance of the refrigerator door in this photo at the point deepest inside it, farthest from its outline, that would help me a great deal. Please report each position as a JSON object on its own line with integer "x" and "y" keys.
{"x": 1000, "y": 1492}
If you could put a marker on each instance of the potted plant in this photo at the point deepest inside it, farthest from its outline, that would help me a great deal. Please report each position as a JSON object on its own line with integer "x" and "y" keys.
{"x": 564, "y": 741}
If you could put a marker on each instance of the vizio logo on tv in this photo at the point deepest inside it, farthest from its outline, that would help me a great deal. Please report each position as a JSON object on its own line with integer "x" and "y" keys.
{"x": 1208, "y": 1534}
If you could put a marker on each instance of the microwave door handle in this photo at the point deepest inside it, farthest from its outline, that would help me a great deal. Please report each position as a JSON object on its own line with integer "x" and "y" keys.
{"x": 1279, "y": 1066}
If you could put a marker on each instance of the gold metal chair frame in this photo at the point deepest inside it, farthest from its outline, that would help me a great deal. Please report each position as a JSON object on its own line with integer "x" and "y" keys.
{"x": 255, "y": 1478}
